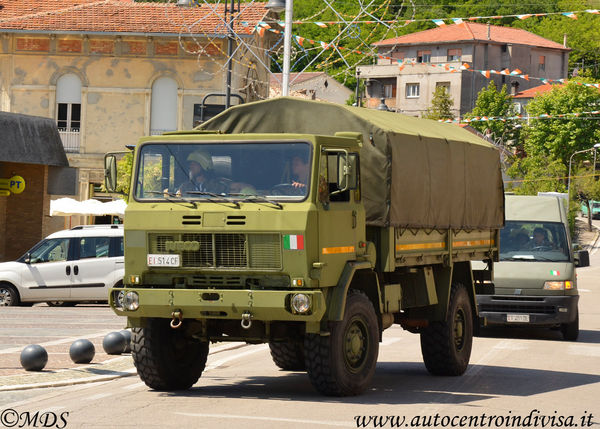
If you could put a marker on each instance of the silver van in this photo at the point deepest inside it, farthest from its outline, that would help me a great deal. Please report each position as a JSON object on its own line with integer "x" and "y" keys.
{"x": 535, "y": 282}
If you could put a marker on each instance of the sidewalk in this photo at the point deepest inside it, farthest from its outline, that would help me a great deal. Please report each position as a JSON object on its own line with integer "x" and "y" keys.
{"x": 588, "y": 240}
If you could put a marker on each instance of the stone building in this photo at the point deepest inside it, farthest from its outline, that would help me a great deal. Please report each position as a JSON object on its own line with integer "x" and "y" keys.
{"x": 409, "y": 89}
{"x": 110, "y": 71}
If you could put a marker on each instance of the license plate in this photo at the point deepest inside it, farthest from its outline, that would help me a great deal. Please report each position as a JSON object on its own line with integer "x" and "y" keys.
{"x": 163, "y": 260}
{"x": 518, "y": 318}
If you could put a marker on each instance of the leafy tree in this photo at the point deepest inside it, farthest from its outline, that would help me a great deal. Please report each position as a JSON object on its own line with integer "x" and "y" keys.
{"x": 559, "y": 138}
{"x": 585, "y": 187}
{"x": 537, "y": 174}
{"x": 491, "y": 102}
{"x": 441, "y": 105}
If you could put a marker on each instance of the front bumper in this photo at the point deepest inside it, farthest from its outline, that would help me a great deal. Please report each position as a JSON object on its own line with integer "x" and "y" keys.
{"x": 542, "y": 310}
{"x": 263, "y": 305}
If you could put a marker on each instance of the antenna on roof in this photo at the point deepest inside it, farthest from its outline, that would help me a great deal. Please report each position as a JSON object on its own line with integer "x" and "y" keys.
{"x": 185, "y": 3}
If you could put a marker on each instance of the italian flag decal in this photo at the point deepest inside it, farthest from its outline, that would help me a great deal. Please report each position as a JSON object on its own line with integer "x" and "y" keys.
{"x": 555, "y": 273}
{"x": 293, "y": 242}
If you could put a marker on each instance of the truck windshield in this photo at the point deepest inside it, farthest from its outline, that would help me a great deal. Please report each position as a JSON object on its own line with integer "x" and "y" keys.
{"x": 254, "y": 172}
{"x": 533, "y": 241}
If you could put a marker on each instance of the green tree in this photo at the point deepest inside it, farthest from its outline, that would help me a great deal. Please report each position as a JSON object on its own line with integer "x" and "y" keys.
{"x": 491, "y": 102}
{"x": 441, "y": 105}
{"x": 585, "y": 188}
{"x": 536, "y": 174}
{"x": 559, "y": 138}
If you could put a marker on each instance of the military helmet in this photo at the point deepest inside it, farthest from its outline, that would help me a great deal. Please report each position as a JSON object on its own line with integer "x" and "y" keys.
{"x": 202, "y": 158}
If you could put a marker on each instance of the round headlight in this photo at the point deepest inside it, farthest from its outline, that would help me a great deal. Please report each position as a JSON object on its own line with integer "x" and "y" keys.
{"x": 301, "y": 303}
{"x": 131, "y": 301}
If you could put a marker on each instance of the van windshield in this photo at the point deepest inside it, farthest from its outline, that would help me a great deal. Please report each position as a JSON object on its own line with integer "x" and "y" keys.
{"x": 534, "y": 241}
{"x": 236, "y": 171}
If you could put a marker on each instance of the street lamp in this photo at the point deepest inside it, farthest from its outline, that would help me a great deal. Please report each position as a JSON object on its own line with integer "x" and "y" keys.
{"x": 277, "y": 6}
{"x": 596, "y": 146}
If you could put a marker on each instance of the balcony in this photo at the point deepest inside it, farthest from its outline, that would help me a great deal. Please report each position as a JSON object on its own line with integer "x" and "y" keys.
{"x": 71, "y": 139}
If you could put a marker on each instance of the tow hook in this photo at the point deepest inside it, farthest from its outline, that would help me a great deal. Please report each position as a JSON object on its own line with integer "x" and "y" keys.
{"x": 177, "y": 319}
{"x": 246, "y": 320}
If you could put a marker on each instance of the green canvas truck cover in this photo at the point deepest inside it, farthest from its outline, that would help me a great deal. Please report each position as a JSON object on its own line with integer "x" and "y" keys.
{"x": 416, "y": 173}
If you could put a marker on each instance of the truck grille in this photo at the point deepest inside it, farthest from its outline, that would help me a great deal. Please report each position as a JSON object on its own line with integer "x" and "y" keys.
{"x": 515, "y": 308}
{"x": 224, "y": 250}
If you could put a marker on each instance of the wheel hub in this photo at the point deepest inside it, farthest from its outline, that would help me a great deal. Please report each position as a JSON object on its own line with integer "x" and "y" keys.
{"x": 5, "y": 299}
{"x": 459, "y": 330}
{"x": 356, "y": 344}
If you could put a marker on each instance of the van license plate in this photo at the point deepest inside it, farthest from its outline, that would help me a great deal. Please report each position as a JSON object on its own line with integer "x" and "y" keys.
{"x": 518, "y": 318}
{"x": 163, "y": 260}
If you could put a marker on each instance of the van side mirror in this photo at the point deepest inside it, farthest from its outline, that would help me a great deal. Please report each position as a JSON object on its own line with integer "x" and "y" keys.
{"x": 27, "y": 259}
{"x": 110, "y": 172}
{"x": 582, "y": 259}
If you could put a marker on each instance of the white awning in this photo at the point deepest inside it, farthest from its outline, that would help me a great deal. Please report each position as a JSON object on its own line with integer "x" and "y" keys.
{"x": 69, "y": 207}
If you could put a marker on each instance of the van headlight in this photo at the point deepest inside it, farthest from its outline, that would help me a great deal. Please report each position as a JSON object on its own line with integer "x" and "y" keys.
{"x": 300, "y": 303}
{"x": 131, "y": 301}
{"x": 558, "y": 285}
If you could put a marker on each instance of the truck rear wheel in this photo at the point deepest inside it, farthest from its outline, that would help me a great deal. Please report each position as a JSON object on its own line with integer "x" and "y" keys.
{"x": 343, "y": 363}
{"x": 165, "y": 358}
{"x": 288, "y": 356}
{"x": 446, "y": 346}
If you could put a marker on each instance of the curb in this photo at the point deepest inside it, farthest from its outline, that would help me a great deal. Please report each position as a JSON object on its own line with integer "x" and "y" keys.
{"x": 113, "y": 369}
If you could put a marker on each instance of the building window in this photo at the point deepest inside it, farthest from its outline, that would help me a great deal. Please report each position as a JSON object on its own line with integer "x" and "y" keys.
{"x": 68, "y": 111}
{"x": 454, "y": 54}
{"x": 412, "y": 90}
{"x": 445, "y": 85}
{"x": 163, "y": 115}
{"x": 542, "y": 62}
{"x": 389, "y": 91}
{"x": 423, "y": 56}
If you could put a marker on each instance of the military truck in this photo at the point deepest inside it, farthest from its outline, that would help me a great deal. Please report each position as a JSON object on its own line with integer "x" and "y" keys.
{"x": 335, "y": 223}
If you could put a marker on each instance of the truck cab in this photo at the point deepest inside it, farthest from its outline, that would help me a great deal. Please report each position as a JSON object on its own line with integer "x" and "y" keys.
{"x": 535, "y": 280}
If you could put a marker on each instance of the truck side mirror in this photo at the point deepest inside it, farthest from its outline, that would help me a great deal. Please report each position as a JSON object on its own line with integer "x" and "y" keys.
{"x": 110, "y": 172}
{"x": 346, "y": 170}
{"x": 582, "y": 259}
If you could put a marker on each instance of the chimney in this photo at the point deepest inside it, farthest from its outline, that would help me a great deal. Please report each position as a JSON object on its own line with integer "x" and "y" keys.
{"x": 489, "y": 32}
{"x": 565, "y": 40}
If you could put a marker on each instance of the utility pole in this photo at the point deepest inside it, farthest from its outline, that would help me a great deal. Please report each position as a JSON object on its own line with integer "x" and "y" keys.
{"x": 230, "y": 38}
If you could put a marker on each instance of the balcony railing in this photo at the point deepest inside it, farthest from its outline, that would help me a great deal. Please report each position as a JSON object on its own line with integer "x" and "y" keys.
{"x": 71, "y": 139}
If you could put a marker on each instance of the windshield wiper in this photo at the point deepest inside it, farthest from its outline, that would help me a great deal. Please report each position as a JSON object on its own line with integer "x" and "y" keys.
{"x": 170, "y": 197}
{"x": 221, "y": 198}
{"x": 258, "y": 199}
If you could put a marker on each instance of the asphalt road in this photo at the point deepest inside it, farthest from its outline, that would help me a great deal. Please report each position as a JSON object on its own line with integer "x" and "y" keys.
{"x": 513, "y": 373}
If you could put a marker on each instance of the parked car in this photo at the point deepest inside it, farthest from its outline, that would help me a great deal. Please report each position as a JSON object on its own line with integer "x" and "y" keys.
{"x": 76, "y": 265}
{"x": 595, "y": 207}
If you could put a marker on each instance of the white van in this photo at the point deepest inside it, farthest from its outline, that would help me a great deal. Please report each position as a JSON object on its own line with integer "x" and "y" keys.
{"x": 535, "y": 282}
{"x": 75, "y": 265}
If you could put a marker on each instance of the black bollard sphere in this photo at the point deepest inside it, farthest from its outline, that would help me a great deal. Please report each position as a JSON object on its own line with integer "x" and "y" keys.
{"x": 114, "y": 343}
{"x": 127, "y": 334}
{"x": 34, "y": 358}
{"x": 82, "y": 351}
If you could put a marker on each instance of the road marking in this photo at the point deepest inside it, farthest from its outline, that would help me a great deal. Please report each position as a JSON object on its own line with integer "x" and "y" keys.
{"x": 581, "y": 350}
{"x": 98, "y": 396}
{"x": 504, "y": 345}
{"x": 268, "y": 419}
{"x": 52, "y": 409}
{"x": 57, "y": 342}
{"x": 223, "y": 361}
{"x": 583, "y": 290}
{"x": 134, "y": 386}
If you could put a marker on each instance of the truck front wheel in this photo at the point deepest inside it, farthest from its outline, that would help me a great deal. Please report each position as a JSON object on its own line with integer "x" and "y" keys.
{"x": 288, "y": 356}
{"x": 446, "y": 346}
{"x": 343, "y": 363}
{"x": 165, "y": 358}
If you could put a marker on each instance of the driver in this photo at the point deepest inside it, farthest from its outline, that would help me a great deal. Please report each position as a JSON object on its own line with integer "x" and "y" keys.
{"x": 540, "y": 239}
{"x": 300, "y": 171}
{"x": 201, "y": 175}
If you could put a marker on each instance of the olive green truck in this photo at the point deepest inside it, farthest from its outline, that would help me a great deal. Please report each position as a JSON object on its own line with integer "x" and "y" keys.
{"x": 312, "y": 227}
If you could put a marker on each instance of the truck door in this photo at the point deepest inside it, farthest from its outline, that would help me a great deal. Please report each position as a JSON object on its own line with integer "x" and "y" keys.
{"x": 339, "y": 214}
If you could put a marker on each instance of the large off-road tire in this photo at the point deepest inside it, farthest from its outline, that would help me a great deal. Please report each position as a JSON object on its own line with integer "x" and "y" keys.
{"x": 288, "y": 356}
{"x": 446, "y": 346}
{"x": 165, "y": 358}
{"x": 9, "y": 296}
{"x": 570, "y": 331}
{"x": 343, "y": 363}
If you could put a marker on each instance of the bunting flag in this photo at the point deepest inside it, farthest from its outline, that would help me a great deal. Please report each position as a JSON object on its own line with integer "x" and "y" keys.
{"x": 524, "y": 16}
{"x": 570, "y": 15}
{"x": 594, "y": 11}
{"x": 439, "y": 22}
{"x": 571, "y": 115}
{"x": 321, "y": 24}
{"x": 458, "y": 21}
